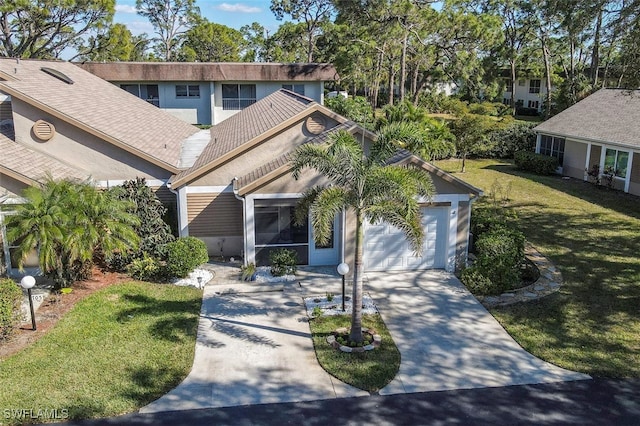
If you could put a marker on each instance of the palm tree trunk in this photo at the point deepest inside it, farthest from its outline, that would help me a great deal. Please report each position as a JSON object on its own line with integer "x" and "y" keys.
{"x": 356, "y": 296}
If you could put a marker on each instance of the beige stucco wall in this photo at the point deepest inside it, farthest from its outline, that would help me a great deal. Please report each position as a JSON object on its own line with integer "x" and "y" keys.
{"x": 575, "y": 156}
{"x": 275, "y": 146}
{"x": 462, "y": 239}
{"x": 81, "y": 149}
{"x": 12, "y": 186}
{"x": 634, "y": 184}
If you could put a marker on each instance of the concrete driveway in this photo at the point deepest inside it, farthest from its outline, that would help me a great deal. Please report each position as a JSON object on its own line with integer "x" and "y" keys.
{"x": 448, "y": 340}
{"x": 252, "y": 348}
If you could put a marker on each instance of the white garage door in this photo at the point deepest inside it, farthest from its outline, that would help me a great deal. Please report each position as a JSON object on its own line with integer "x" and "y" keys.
{"x": 386, "y": 247}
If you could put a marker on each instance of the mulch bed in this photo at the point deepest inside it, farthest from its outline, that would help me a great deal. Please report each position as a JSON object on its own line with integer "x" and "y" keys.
{"x": 55, "y": 307}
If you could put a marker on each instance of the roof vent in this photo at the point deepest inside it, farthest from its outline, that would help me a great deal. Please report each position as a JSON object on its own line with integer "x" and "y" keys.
{"x": 316, "y": 124}
{"x": 43, "y": 130}
{"x": 57, "y": 74}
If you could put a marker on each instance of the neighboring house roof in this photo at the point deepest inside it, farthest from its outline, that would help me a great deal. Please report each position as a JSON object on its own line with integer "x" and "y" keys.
{"x": 609, "y": 116}
{"x": 29, "y": 166}
{"x": 97, "y": 107}
{"x": 212, "y": 71}
{"x": 252, "y": 125}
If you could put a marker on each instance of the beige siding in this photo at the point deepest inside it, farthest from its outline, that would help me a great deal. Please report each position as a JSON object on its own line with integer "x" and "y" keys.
{"x": 5, "y": 111}
{"x": 165, "y": 195}
{"x": 214, "y": 215}
{"x": 575, "y": 156}
{"x": 594, "y": 160}
{"x": 80, "y": 149}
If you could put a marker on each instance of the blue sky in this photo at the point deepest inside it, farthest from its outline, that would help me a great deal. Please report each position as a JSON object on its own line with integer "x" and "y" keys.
{"x": 231, "y": 13}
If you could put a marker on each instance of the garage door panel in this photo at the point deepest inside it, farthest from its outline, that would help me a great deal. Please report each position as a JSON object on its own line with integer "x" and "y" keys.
{"x": 386, "y": 248}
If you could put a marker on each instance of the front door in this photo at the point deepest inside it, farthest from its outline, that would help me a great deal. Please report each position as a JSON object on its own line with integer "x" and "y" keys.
{"x": 326, "y": 254}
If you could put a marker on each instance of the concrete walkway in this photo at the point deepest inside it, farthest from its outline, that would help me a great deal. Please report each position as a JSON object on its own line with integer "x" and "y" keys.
{"x": 448, "y": 340}
{"x": 252, "y": 348}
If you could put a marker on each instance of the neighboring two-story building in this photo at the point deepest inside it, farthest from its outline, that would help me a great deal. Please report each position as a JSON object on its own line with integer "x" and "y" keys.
{"x": 528, "y": 92}
{"x": 209, "y": 93}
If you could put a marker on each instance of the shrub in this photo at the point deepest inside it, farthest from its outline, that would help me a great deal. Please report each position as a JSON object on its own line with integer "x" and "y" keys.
{"x": 10, "y": 308}
{"x": 500, "y": 253}
{"x": 283, "y": 262}
{"x": 184, "y": 255}
{"x": 509, "y": 140}
{"x": 536, "y": 163}
{"x": 146, "y": 268}
{"x": 248, "y": 271}
{"x": 484, "y": 219}
{"x": 477, "y": 283}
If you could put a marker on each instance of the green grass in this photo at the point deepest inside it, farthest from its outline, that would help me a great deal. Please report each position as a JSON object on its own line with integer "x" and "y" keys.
{"x": 371, "y": 370}
{"x": 593, "y": 235}
{"x": 114, "y": 352}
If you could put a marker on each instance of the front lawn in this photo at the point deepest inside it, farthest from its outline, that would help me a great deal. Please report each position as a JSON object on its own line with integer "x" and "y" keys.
{"x": 114, "y": 352}
{"x": 371, "y": 370}
{"x": 592, "y": 234}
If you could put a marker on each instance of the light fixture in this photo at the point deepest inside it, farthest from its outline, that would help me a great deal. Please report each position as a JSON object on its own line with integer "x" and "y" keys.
{"x": 27, "y": 282}
{"x": 343, "y": 269}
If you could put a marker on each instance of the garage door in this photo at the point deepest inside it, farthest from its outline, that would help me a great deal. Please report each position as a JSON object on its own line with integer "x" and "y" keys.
{"x": 386, "y": 247}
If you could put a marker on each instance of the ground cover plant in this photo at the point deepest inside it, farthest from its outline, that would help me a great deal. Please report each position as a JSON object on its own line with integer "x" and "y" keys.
{"x": 370, "y": 370}
{"x": 114, "y": 352}
{"x": 592, "y": 234}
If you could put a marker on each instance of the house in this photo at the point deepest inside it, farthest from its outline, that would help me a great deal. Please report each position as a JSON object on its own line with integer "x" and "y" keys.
{"x": 239, "y": 196}
{"x": 231, "y": 185}
{"x": 528, "y": 92}
{"x": 600, "y": 131}
{"x": 208, "y": 93}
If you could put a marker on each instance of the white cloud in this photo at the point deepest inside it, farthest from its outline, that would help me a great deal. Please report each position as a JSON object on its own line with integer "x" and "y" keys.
{"x": 238, "y": 7}
{"x": 139, "y": 27}
{"x": 125, "y": 8}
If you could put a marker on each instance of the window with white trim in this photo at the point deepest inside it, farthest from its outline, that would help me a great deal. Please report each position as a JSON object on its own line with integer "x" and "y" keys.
{"x": 509, "y": 86}
{"x": 534, "y": 86}
{"x": 187, "y": 91}
{"x": 534, "y": 104}
{"x": 238, "y": 96}
{"x": 296, "y": 88}
{"x": 553, "y": 147}
{"x": 616, "y": 162}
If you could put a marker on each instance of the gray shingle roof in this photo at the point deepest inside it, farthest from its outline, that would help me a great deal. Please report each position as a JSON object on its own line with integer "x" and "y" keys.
{"x": 609, "y": 115}
{"x": 32, "y": 164}
{"x": 251, "y": 123}
{"x": 101, "y": 106}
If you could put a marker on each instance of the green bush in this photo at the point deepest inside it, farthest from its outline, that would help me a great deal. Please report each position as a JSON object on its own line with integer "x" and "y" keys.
{"x": 147, "y": 268}
{"x": 484, "y": 219}
{"x": 10, "y": 308}
{"x": 536, "y": 163}
{"x": 184, "y": 255}
{"x": 283, "y": 262}
{"x": 499, "y": 254}
{"x": 477, "y": 283}
{"x": 505, "y": 142}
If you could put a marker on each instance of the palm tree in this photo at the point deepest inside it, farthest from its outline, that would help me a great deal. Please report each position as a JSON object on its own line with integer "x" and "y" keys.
{"x": 367, "y": 185}
{"x": 69, "y": 223}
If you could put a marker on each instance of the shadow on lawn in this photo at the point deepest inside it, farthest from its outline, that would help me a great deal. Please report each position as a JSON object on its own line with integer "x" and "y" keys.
{"x": 175, "y": 320}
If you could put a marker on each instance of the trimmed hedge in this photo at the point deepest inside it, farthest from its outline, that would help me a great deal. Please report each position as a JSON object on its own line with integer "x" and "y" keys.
{"x": 184, "y": 255}
{"x": 10, "y": 308}
{"x": 536, "y": 163}
{"x": 499, "y": 254}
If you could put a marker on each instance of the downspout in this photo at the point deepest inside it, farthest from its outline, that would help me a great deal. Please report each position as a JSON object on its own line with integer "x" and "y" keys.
{"x": 244, "y": 218}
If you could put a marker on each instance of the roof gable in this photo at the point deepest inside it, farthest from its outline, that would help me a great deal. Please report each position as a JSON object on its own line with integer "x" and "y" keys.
{"x": 251, "y": 126}
{"x": 99, "y": 108}
{"x": 609, "y": 115}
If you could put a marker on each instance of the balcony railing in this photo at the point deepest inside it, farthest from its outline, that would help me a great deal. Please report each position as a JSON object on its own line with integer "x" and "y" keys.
{"x": 237, "y": 104}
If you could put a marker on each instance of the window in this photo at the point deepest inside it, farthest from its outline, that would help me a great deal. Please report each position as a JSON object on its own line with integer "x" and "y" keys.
{"x": 238, "y": 96}
{"x": 297, "y": 88}
{"x": 534, "y": 104}
{"x": 534, "y": 86}
{"x": 553, "y": 147}
{"x": 509, "y": 86}
{"x": 187, "y": 91}
{"x": 616, "y": 162}
{"x": 148, "y": 92}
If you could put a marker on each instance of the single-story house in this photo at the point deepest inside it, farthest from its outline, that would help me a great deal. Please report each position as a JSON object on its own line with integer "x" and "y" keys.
{"x": 602, "y": 131}
{"x": 208, "y": 93}
{"x": 231, "y": 185}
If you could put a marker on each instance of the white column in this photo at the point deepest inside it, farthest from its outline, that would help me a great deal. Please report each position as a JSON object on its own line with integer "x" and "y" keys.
{"x": 453, "y": 236}
{"x": 587, "y": 160}
{"x": 249, "y": 230}
{"x": 603, "y": 154}
{"x": 5, "y": 245}
{"x": 538, "y": 140}
{"x": 183, "y": 215}
{"x": 627, "y": 180}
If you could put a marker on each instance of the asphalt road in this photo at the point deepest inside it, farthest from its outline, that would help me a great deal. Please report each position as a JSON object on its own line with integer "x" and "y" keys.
{"x": 588, "y": 402}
